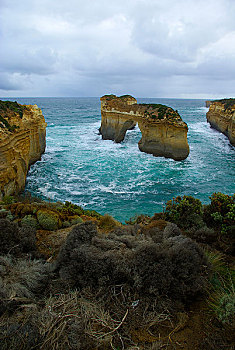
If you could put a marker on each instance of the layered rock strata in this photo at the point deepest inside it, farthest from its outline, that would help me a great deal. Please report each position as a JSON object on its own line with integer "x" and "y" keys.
{"x": 221, "y": 116}
{"x": 164, "y": 134}
{"x": 22, "y": 142}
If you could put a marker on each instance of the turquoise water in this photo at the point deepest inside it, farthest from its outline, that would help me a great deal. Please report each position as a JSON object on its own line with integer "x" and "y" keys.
{"x": 118, "y": 179}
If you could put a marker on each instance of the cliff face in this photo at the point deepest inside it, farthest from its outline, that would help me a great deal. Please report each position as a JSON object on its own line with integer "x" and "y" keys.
{"x": 22, "y": 142}
{"x": 164, "y": 134}
{"x": 221, "y": 116}
{"x": 208, "y": 103}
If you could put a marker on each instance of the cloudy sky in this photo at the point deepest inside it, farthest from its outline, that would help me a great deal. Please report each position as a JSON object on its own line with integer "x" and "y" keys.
{"x": 148, "y": 48}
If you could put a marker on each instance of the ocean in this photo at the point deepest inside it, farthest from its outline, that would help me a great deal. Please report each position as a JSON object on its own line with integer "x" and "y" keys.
{"x": 118, "y": 179}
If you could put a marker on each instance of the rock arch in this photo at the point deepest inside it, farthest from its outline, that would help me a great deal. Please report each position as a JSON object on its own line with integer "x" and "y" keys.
{"x": 164, "y": 134}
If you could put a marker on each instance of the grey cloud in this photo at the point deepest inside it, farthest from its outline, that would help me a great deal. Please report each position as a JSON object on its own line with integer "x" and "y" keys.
{"x": 144, "y": 47}
{"x": 7, "y": 82}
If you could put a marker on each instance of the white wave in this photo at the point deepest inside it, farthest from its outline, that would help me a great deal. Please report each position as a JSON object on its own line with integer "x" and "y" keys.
{"x": 203, "y": 109}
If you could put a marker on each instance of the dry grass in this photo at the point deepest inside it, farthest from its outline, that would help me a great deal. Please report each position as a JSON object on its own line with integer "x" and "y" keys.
{"x": 94, "y": 322}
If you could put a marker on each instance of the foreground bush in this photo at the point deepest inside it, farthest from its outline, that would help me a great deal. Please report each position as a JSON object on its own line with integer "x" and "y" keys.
{"x": 171, "y": 264}
{"x": 15, "y": 240}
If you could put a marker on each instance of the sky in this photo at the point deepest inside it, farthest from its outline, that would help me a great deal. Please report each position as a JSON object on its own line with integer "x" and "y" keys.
{"x": 146, "y": 48}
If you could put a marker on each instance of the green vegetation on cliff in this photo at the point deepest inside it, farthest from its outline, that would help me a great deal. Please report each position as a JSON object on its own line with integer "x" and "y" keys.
{"x": 9, "y": 106}
{"x": 159, "y": 111}
{"x": 227, "y": 102}
{"x": 7, "y": 109}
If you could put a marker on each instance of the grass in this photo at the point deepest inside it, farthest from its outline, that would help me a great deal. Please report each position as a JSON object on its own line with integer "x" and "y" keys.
{"x": 221, "y": 290}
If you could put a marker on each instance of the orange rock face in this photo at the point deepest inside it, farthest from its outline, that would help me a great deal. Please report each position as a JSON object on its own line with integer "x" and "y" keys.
{"x": 221, "y": 117}
{"x": 22, "y": 142}
{"x": 164, "y": 134}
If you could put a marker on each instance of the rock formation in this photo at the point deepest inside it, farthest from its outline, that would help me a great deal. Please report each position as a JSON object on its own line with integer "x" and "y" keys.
{"x": 22, "y": 142}
{"x": 208, "y": 103}
{"x": 164, "y": 134}
{"x": 221, "y": 117}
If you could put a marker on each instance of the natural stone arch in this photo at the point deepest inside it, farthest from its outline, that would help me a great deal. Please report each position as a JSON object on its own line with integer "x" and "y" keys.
{"x": 120, "y": 134}
{"x": 164, "y": 134}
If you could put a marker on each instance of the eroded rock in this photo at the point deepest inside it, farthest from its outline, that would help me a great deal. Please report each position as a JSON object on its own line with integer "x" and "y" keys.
{"x": 164, "y": 134}
{"x": 22, "y": 142}
{"x": 221, "y": 117}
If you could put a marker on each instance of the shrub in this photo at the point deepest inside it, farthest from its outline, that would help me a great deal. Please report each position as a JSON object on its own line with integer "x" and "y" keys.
{"x": 107, "y": 222}
{"x": 27, "y": 236}
{"x": 15, "y": 240}
{"x": 220, "y": 212}
{"x": 171, "y": 230}
{"x": 18, "y": 335}
{"x": 48, "y": 219}
{"x": 3, "y": 213}
{"x": 184, "y": 212}
{"x": 203, "y": 235}
{"x": 174, "y": 266}
{"x": 225, "y": 308}
{"x": 20, "y": 278}
{"x": 8, "y": 200}
{"x": 9, "y": 237}
{"x": 30, "y": 221}
{"x": 137, "y": 219}
{"x": 76, "y": 220}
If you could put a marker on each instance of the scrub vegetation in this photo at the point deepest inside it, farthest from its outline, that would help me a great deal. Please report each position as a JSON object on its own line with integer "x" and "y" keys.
{"x": 73, "y": 279}
{"x": 227, "y": 102}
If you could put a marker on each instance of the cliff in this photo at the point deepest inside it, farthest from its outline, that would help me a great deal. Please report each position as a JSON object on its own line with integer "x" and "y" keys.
{"x": 22, "y": 142}
{"x": 221, "y": 117}
{"x": 164, "y": 134}
{"x": 208, "y": 103}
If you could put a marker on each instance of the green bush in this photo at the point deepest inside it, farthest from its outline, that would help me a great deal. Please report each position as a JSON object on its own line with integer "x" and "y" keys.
{"x": 76, "y": 220}
{"x": 185, "y": 212}
{"x": 225, "y": 308}
{"x": 48, "y": 219}
{"x": 29, "y": 220}
{"x": 220, "y": 213}
{"x": 8, "y": 200}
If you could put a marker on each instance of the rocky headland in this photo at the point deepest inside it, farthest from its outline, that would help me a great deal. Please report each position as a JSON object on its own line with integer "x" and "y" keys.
{"x": 22, "y": 142}
{"x": 208, "y": 103}
{"x": 164, "y": 134}
{"x": 221, "y": 116}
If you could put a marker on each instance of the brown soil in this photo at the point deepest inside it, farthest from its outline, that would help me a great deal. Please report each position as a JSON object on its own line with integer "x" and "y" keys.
{"x": 196, "y": 329}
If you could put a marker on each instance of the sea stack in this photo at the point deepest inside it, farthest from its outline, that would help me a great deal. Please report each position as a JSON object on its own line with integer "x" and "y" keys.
{"x": 164, "y": 133}
{"x": 22, "y": 142}
{"x": 221, "y": 116}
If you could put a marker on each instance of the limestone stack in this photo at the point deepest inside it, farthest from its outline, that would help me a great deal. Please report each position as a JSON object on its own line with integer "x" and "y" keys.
{"x": 221, "y": 116}
{"x": 22, "y": 142}
{"x": 164, "y": 134}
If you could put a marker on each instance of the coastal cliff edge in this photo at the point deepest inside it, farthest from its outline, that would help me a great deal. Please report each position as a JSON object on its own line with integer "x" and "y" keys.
{"x": 221, "y": 116}
{"x": 22, "y": 142}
